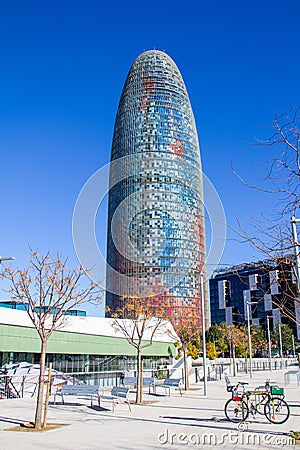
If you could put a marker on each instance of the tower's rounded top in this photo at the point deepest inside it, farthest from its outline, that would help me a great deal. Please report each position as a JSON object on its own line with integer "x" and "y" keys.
{"x": 154, "y": 51}
{"x": 154, "y": 54}
{"x": 158, "y": 62}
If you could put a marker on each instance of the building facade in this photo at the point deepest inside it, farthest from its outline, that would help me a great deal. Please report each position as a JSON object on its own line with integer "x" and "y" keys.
{"x": 84, "y": 345}
{"x": 268, "y": 286}
{"x": 156, "y": 235}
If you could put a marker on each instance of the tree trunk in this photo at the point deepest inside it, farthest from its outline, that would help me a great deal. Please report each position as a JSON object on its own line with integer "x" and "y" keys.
{"x": 246, "y": 361}
{"x": 39, "y": 402}
{"x": 185, "y": 370}
{"x": 139, "y": 388}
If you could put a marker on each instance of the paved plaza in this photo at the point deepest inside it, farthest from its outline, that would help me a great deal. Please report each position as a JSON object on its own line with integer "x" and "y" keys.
{"x": 190, "y": 421}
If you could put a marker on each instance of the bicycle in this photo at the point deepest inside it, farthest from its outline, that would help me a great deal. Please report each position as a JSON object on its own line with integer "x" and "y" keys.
{"x": 268, "y": 401}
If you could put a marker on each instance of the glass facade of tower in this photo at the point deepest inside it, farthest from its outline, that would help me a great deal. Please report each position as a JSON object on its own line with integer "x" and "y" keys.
{"x": 156, "y": 236}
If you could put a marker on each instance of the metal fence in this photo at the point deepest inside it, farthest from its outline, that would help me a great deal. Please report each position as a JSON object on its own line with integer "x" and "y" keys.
{"x": 216, "y": 371}
{"x": 279, "y": 364}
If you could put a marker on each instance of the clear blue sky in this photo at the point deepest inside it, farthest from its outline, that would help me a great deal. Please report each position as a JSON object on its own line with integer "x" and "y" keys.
{"x": 63, "y": 66}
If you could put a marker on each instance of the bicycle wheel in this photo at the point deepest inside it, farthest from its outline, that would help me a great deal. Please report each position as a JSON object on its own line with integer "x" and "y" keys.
{"x": 236, "y": 411}
{"x": 277, "y": 410}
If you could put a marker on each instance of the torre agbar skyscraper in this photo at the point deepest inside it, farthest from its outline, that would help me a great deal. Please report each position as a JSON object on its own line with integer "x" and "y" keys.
{"x": 156, "y": 234}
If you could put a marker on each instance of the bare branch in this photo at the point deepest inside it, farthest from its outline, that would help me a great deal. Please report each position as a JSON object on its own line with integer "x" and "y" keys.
{"x": 139, "y": 322}
{"x": 48, "y": 290}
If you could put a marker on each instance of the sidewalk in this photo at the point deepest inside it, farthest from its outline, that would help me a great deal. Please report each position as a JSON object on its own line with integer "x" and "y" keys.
{"x": 190, "y": 421}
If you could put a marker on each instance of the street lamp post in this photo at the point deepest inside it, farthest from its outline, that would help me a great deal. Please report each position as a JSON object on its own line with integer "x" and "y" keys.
{"x": 203, "y": 335}
{"x": 269, "y": 343}
{"x": 249, "y": 337}
{"x": 294, "y": 221}
{"x": 7, "y": 258}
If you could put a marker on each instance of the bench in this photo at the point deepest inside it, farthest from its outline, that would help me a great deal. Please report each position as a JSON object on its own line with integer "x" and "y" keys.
{"x": 132, "y": 381}
{"x": 117, "y": 395}
{"x": 170, "y": 383}
{"x": 287, "y": 376}
{"x": 78, "y": 389}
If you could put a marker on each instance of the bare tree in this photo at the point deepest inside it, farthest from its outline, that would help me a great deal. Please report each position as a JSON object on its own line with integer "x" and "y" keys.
{"x": 283, "y": 167}
{"x": 139, "y": 322}
{"x": 272, "y": 235}
{"x": 48, "y": 290}
{"x": 188, "y": 334}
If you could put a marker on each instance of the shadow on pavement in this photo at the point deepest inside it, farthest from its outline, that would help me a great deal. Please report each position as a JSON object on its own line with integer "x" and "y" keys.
{"x": 12, "y": 420}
